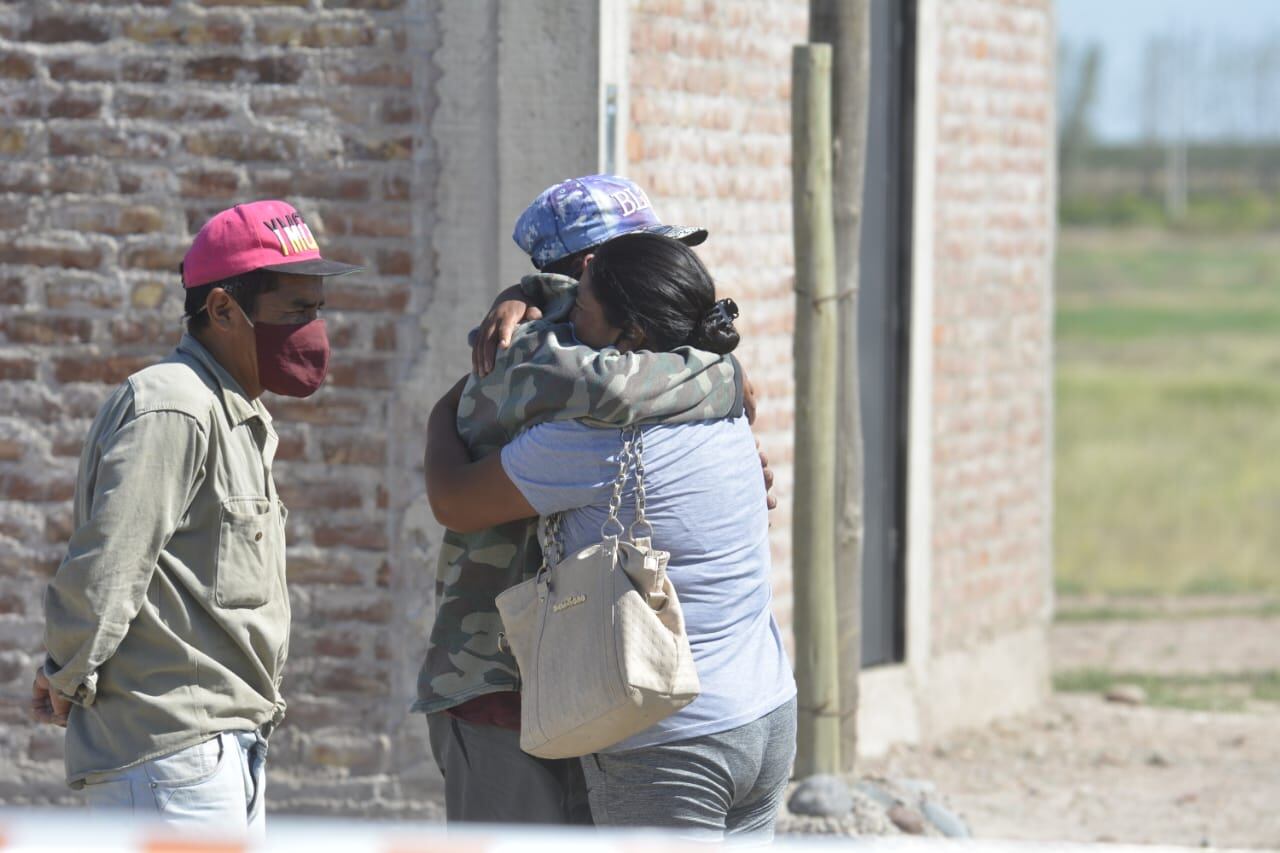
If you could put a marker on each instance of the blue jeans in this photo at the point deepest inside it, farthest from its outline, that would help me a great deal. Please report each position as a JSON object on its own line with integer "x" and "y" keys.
{"x": 219, "y": 783}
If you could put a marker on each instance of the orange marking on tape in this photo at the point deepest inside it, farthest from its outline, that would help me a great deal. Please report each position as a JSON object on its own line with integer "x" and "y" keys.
{"x": 185, "y": 845}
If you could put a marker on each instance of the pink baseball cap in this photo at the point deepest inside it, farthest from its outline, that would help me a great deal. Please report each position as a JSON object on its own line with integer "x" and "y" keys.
{"x": 259, "y": 235}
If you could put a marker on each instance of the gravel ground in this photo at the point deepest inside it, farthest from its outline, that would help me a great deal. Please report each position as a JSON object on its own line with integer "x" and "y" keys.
{"x": 1084, "y": 769}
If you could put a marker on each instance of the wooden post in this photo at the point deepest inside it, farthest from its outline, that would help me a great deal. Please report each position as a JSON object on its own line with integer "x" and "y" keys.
{"x": 816, "y": 351}
{"x": 846, "y": 25}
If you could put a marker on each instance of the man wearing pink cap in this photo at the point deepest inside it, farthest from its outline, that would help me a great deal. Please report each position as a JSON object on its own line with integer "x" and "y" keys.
{"x": 167, "y": 624}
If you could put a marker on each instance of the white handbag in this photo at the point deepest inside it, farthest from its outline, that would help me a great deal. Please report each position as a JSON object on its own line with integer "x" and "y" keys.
{"x": 598, "y": 636}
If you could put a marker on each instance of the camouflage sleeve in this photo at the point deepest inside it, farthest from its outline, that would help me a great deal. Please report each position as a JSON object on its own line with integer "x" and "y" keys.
{"x": 547, "y": 290}
{"x": 548, "y": 376}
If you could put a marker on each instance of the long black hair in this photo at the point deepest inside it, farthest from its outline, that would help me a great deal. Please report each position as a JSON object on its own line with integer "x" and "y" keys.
{"x": 658, "y": 285}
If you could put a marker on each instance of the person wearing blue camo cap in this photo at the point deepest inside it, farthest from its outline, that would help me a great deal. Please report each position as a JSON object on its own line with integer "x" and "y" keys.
{"x": 474, "y": 733}
{"x": 581, "y": 213}
{"x": 557, "y": 231}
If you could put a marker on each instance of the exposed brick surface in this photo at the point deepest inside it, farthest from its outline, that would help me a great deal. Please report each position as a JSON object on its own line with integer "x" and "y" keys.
{"x": 710, "y": 140}
{"x": 992, "y": 245}
{"x": 123, "y": 126}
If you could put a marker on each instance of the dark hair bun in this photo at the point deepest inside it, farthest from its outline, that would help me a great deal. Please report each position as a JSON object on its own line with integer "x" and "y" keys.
{"x": 716, "y": 332}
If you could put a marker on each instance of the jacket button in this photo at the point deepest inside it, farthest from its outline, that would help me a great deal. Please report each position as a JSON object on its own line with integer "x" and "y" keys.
{"x": 258, "y": 537}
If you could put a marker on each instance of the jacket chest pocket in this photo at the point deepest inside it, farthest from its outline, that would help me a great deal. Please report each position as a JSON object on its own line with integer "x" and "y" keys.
{"x": 250, "y": 552}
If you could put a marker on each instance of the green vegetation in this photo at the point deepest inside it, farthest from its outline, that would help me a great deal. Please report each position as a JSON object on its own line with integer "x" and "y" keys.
{"x": 1210, "y": 213}
{"x": 1217, "y": 692}
{"x": 1123, "y": 613}
{"x": 1167, "y": 413}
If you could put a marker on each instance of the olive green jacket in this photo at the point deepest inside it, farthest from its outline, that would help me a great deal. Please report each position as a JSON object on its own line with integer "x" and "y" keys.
{"x": 168, "y": 620}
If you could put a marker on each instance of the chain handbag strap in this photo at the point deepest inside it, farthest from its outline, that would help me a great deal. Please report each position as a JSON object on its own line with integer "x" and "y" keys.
{"x": 612, "y": 529}
{"x": 641, "y": 521}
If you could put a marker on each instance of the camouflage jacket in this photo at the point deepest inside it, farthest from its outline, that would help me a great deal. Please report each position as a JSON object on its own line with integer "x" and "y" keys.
{"x": 544, "y": 375}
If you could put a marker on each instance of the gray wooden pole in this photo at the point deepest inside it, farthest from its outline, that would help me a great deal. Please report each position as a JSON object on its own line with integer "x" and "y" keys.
{"x": 846, "y": 25}
{"x": 814, "y": 508}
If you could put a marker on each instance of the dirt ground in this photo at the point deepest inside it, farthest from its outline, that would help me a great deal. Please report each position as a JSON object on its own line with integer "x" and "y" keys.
{"x": 1085, "y": 769}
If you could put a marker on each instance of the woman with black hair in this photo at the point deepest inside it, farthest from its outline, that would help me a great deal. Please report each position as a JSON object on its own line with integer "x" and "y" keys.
{"x": 719, "y": 765}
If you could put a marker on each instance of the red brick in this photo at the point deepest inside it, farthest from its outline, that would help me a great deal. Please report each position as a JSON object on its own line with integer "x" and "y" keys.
{"x": 13, "y": 218}
{"x": 356, "y": 450}
{"x": 16, "y": 367}
{"x": 147, "y": 69}
{"x": 365, "y": 5}
{"x": 80, "y": 179}
{"x": 381, "y": 150}
{"x": 155, "y": 330}
{"x": 22, "y": 105}
{"x": 112, "y": 219}
{"x": 345, "y": 645}
{"x": 100, "y": 141}
{"x": 327, "y": 570}
{"x": 365, "y": 680}
{"x": 43, "y": 487}
{"x": 353, "y": 608}
{"x": 363, "y": 72}
{"x": 63, "y": 293}
{"x": 210, "y": 183}
{"x": 109, "y": 370}
{"x": 149, "y": 180}
{"x": 152, "y": 256}
{"x": 42, "y": 328}
{"x": 397, "y": 188}
{"x": 360, "y": 373}
{"x": 58, "y": 526}
{"x": 96, "y": 67}
{"x": 255, "y": 3}
{"x": 366, "y": 536}
{"x": 65, "y": 28}
{"x": 243, "y": 146}
{"x": 43, "y": 254}
{"x": 384, "y": 337}
{"x": 16, "y": 66}
{"x": 316, "y": 35}
{"x": 322, "y": 412}
{"x": 397, "y": 109}
{"x": 363, "y": 297}
{"x": 13, "y": 291}
{"x": 302, "y": 494}
{"x": 280, "y": 69}
{"x": 217, "y": 69}
{"x": 202, "y": 31}
{"x": 326, "y": 105}
{"x": 76, "y": 104}
{"x": 18, "y": 140}
{"x": 12, "y": 604}
{"x": 184, "y": 106}
{"x": 343, "y": 185}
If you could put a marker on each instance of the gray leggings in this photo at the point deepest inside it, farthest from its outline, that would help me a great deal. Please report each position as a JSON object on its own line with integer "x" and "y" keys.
{"x": 708, "y": 787}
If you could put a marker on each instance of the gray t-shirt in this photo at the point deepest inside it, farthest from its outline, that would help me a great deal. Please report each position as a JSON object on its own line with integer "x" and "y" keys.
{"x": 706, "y": 501}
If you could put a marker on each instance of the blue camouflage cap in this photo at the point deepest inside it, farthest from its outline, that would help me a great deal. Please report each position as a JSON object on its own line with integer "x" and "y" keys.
{"x": 584, "y": 212}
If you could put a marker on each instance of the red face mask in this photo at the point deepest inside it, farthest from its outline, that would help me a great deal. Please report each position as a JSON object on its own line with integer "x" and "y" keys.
{"x": 292, "y": 360}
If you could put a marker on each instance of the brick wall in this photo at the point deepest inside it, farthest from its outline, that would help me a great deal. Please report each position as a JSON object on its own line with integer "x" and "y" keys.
{"x": 710, "y": 140}
{"x": 993, "y": 233}
{"x": 123, "y": 126}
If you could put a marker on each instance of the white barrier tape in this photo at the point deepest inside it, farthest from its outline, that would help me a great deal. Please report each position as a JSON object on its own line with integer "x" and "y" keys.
{"x": 75, "y": 831}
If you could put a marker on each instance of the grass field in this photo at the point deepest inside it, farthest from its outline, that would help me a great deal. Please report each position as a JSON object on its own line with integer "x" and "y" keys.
{"x": 1168, "y": 413}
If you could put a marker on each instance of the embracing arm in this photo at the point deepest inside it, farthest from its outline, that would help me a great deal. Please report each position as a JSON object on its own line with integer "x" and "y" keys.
{"x": 466, "y": 496}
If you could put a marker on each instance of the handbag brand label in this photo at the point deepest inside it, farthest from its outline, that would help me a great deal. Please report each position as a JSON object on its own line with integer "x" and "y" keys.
{"x": 571, "y": 601}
